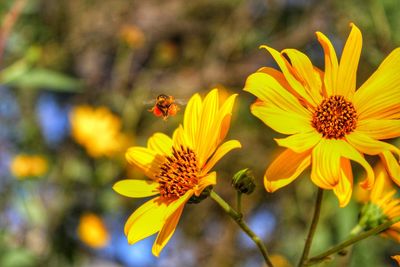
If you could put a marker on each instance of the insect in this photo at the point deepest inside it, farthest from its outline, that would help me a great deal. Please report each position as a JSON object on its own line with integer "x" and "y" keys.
{"x": 165, "y": 106}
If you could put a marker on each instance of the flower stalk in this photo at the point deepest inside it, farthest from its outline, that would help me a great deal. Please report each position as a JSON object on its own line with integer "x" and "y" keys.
{"x": 313, "y": 228}
{"x": 351, "y": 241}
{"x": 238, "y": 218}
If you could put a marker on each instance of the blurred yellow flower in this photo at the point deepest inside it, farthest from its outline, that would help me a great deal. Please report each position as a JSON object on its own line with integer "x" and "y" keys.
{"x": 397, "y": 259}
{"x": 382, "y": 205}
{"x": 279, "y": 261}
{"x": 23, "y": 166}
{"x": 329, "y": 122}
{"x": 98, "y": 131}
{"x": 92, "y": 231}
{"x": 178, "y": 168}
{"x": 133, "y": 36}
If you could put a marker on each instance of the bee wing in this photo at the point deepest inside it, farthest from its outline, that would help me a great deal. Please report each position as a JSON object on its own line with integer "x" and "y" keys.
{"x": 181, "y": 101}
{"x": 148, "y": 102}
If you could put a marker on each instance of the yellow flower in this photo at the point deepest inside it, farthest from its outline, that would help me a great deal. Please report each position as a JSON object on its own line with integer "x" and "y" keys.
{"x": 23, "y": 166}
{"x": 397, "y": 259}
{"x": 329, "y": 122}
{"x": 98, "y": 130}
{"x": 178, "y": 168}
{"x": 92, "y": 231}
{"x": 382, "y": 205}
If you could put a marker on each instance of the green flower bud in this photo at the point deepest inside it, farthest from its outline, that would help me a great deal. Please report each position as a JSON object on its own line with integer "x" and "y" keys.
{"x": 243, "y": 181}
{"x": 371, "y": 216}
{"x": 203, "y": 195}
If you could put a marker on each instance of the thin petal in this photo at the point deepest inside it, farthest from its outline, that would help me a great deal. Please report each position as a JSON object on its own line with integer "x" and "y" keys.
{"x": 300, "y": 142}
{"x": 379, "y": 129}
{"x": 368, "y": 145}
{"x": 160, "y": 143}
{"x": 219, "y": 153}
{"x": 344, "y": 188}
{"x": 379, "y": 96}
{"x": 285, "y": 169}
{"x": 268, "y": 89}
{"x": 306, "y": 74}
{"x": 326, "y": 171}
{"x": 287, "y": 69}
{"x": 136, "y": 188}
{"x": 281, "y": 120}
{"x": 179, "y": 138}
{"x": 346, "y": 83}
{"x": 392, "y": 166}
{"x": 146, "y": 220}
{"x": 174, "y": 213}
{"x": 326, "y": 157}
{"x": 209, "y": 179}
{"x": 147, "y": 160}
{"x": 206, "y": 131}
{"x": 192, "y": 118}
{"x": 331, "y": 64}
{"x": 224, "y": 118}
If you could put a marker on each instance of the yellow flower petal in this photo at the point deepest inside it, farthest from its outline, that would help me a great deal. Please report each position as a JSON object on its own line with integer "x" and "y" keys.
{"x": 346, "y": 80}
{"x": 281, "y": 120}
{"x": 278, "y": 76}
{"x": 379, "y": 129}
{"x": 392, "y": 166}
{"x": 287, "y": 71}
{"x": 179, "y": 138}
{"x": 160, "y": 143}
{"x": 331, "y": 64}
{"x": 268, "y": 89}
{"x": 344, "y": 188}
{"x": 224, "y": 118}
{"x": 136, "y": 188}
{"x": 300, "y": 142}
{"x": 378, "y": 97}
{"x": 368, "y": 145}
{"x": 306, "y": 74}
{"x": 219, "y": 153}
{"x": 171, "y": 221}
{"x": 206, "y": 131}
{"x": 147, "y": 160}
{"x": 326, "y": 171}
{"x": 209, "y": 179}
{"x": 285, "y": 168}
{"x": 192, "y": 118}
{"x": 147, "y": 220}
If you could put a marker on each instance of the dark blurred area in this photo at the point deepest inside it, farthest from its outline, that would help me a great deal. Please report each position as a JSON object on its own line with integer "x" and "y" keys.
{"x": 111, "y": 59}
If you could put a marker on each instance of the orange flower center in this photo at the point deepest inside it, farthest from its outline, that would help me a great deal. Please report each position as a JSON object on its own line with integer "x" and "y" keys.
{"x": 178, "y": 173}
{"x": 335, "y": 117}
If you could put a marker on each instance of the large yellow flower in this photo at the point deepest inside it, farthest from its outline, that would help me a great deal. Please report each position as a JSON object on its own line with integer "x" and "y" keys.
{"x": 329, "y": 122}
{"x": 98, "y": 130}
{"x": 178, "y": 168}
{"x": 382, "y": 205}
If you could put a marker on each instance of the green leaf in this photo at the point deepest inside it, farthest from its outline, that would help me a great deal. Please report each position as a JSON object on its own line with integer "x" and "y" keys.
{"x": 19, "y": 75}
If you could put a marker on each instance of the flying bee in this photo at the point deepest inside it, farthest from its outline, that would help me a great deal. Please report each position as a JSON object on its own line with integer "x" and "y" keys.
{"x": 165, "y": 106}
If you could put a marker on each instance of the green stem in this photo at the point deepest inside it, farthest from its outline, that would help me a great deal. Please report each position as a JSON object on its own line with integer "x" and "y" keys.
{"x": 352, "y": 240}
{"x": 238, "y": 218}
{"x": 239, "y": 202}
{"x": 313, "y": 228}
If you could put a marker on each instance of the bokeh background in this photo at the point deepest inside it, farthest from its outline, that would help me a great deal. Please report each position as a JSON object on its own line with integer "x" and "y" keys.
{"x": 112, "y": 59}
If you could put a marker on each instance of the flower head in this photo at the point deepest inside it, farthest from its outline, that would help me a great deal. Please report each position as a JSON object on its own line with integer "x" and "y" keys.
{"x": 92, "y": 231}
{"x": 98, "y": 130}
{"x": 23, "y": 166}
{"x": 382, "y": 205}
{"x": 178, "y": 168}
{"x": 330, "y": 123}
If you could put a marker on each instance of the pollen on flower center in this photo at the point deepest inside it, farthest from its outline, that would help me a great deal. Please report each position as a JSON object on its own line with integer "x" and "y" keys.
{"x": 335, "y": 117}
{"x": 178, "y": 173}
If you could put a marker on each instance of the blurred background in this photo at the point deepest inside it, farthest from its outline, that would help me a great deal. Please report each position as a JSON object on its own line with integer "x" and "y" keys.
{"x": 77, "y": 79}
